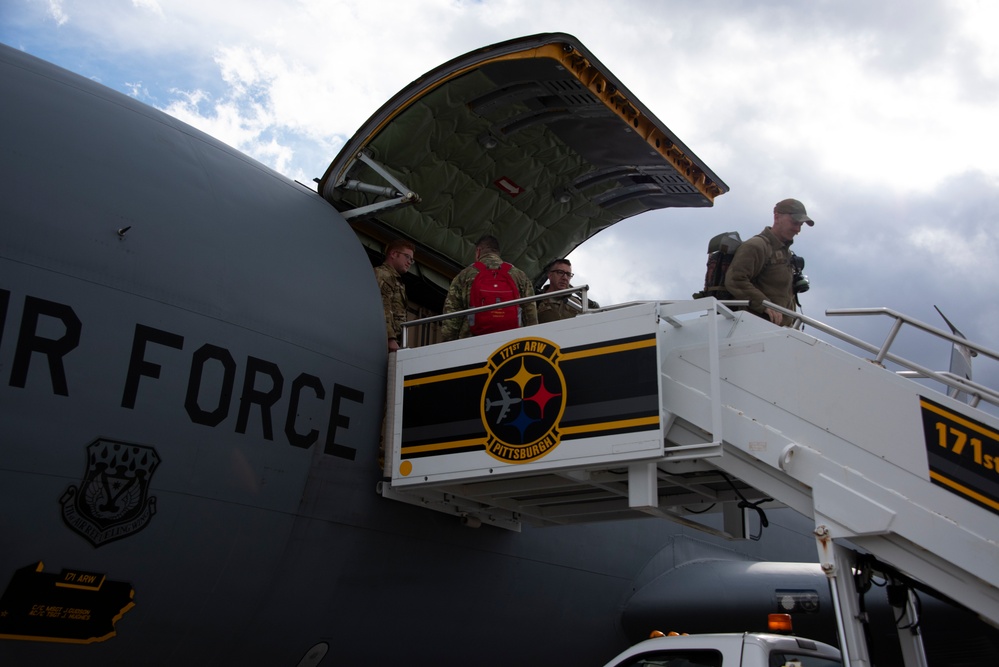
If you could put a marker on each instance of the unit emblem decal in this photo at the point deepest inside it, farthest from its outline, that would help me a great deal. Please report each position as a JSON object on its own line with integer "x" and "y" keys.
{"x": 69, "y": 607}
{"x": 112, "y": 500}
{"x": 523, "y": 400}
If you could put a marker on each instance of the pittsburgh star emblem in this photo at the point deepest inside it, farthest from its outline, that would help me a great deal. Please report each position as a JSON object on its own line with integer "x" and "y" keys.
{"x": 523, "y": 400}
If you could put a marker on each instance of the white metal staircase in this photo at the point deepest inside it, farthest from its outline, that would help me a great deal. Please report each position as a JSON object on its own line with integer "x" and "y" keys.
{"x": 742, "y": 411}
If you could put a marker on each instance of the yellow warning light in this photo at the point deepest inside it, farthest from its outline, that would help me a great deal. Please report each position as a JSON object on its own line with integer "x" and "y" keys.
{"x": 655, "y": 634}
{"x": 779, "y": 622}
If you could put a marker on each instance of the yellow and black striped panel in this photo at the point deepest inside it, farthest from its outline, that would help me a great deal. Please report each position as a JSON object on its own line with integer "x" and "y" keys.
{"x": 610, "y": 388}
{"x": 963, "y": 454}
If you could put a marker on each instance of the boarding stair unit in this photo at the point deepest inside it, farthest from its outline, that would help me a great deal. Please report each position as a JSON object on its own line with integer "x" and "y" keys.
{"x": 681, "y": 409}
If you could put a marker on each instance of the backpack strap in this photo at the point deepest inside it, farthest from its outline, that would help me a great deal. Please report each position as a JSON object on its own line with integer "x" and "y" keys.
{"x": 769, "y": 253}
{"x": 766, "y": 244}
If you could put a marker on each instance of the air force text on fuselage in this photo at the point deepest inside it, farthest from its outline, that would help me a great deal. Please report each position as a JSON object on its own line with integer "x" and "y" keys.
{"x": 270, "y": 397}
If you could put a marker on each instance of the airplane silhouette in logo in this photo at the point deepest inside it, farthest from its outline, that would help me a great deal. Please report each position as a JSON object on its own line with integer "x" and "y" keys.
{"x": 504, "y": 403}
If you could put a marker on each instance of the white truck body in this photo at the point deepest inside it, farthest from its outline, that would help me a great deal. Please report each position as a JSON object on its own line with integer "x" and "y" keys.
{"x": 751, "y": 649}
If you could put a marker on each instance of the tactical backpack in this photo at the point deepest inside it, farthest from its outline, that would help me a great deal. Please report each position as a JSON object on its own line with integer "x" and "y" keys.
{"x": 721, "y": 249}
{"x": 493, "y": 286}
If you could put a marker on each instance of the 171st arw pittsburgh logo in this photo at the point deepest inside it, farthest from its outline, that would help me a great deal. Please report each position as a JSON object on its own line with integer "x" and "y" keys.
{"x": 523, "y": 400}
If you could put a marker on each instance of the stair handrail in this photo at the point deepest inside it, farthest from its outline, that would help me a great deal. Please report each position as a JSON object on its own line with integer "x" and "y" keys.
{"x": 581, "y": 290}
{"x": 977, "y": 391}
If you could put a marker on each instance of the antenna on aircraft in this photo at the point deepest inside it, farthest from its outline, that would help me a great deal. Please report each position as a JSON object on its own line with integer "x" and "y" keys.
{"x": 960, "y": 360}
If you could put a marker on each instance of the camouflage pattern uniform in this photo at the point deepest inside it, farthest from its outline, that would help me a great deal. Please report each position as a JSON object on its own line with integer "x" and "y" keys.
{"x": 558, "y": 308}
{"x": 761, "y": 269}
{"x": 393, "y": 299}
{"x": 457, "y": 298}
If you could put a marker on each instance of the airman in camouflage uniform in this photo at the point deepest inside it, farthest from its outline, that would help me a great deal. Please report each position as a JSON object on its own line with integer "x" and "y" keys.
{"x": 486, "y": 251}
{"x": 399, "y": 256}
{"x": 559, "y": 308}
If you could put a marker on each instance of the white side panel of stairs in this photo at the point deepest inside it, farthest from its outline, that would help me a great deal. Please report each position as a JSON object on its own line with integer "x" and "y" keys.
{"x": 840, "y": 439}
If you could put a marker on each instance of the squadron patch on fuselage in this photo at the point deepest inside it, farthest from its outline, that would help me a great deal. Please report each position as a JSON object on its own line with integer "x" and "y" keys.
{"x": 523, "y": 400}
{"x": 112, "y": 500}
{"x": 71, "y": 607}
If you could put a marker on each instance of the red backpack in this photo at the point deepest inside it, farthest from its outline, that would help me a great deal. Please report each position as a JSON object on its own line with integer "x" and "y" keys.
{"x": 493, "y": 286}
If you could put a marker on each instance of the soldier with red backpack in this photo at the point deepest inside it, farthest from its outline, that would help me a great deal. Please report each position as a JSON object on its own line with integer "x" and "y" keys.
{"x": 488, "y": 280}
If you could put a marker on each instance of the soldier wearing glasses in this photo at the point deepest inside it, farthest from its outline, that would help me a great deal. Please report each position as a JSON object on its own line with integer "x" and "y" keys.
{"x": 558, "y": 308}
{"x": 399, "y": 256}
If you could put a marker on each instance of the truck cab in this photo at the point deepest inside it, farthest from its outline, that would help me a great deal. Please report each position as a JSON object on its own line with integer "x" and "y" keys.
{"x": 750, "y": 649}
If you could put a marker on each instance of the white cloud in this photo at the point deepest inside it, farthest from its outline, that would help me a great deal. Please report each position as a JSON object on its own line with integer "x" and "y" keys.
{"x": 614, "y": 273}
{"x": 151, "y": 5}
{"x": 55, "y": 10}
{"x": 977, "y": 21}
{"x": 949, "y": 247}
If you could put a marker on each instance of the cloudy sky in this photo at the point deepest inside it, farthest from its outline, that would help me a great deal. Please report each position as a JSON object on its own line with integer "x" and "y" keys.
{"x": 880, "y": 116}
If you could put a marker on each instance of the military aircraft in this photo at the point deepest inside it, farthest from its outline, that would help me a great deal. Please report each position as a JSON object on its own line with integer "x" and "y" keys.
{"x": 194, "y": 374}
